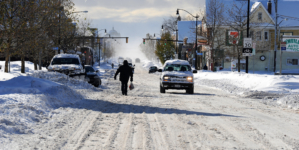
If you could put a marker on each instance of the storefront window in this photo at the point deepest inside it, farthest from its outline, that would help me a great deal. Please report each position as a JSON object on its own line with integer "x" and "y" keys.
{"x": 292, "y": 61}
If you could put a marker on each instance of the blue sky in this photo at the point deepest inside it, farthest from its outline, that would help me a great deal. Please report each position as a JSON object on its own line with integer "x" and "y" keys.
{"x": 134, "y": 18}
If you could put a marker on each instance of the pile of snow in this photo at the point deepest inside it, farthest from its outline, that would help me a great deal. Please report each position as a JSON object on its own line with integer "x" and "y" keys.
{"x": 148, "y": 64}
{"x": 279, "y": 89}
{"x": 27, "y": 99}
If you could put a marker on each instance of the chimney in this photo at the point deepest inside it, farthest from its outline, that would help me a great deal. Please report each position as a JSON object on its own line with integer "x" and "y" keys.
{"x": 269, "y": 6}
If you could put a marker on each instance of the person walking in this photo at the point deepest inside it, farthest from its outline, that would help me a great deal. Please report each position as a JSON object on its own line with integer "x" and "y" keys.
{"x": 125, "y": 73}
{"x": 205, "y": 67}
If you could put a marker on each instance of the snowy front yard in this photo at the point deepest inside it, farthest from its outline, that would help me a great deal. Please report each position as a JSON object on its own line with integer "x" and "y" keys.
{"x": 280, "y": 90}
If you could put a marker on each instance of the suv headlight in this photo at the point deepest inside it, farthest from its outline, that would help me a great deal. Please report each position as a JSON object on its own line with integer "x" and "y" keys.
{"x": 166, "y": 78}
{"x": 189, "y": 79}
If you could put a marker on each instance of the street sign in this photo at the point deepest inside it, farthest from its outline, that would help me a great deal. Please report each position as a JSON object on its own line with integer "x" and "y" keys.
{"x": 247, "y": 51}
{"x": 283, "y": 46}
{"x": 247, "y": 43}
{"x": 55, "y": 48}
{"x": 199, "y": 53}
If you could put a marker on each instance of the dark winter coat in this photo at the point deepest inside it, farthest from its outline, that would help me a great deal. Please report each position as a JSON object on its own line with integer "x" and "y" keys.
{"x": 125, "y": 73}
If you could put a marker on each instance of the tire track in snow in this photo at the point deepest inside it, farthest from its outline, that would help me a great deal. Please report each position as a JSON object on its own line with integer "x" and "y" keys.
{"x": 148, "y": 142}
{"x": 76, "y": 139}
{"x": 253, "y": 137}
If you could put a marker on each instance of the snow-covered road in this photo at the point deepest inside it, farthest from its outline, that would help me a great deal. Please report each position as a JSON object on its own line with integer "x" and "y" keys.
{"x": 146, "y": 119}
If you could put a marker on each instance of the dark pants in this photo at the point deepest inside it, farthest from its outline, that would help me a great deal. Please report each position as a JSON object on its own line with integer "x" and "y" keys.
{"x": 124, "y": 87}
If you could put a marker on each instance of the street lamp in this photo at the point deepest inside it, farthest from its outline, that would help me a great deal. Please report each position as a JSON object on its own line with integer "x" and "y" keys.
{"x": 196, "y": 17}
{"x": 162, "y": 28}
{"x": 176, "y": 36}
{"x": 280, "y": 67}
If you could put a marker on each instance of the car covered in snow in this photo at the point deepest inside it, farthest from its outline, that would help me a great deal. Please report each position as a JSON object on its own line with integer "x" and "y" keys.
{"x": 153, "y": 69}
{"x": 69, "y": 64}
{"x": 137, "y": 60}
{"x": 132, "y": 66}
{"x": 92, "y": 76}
{"x": 177, "y": 74}
{"x": 120, "y": 61}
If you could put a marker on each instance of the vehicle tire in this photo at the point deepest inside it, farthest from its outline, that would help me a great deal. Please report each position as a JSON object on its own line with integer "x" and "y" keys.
{"x": 162, "y": 90}
{"x": 190, "y": 90}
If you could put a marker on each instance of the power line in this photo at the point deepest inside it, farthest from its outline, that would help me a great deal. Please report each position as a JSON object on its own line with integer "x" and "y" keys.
{"x": 289, "y": 17}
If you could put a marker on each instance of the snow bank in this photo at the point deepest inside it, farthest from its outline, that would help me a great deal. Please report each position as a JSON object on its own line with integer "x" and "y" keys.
{"x": 281, "y": 89}
{"x": 259, "y": 82}
{"x": 27, "y": 99}
{"x": 148, "y": 64}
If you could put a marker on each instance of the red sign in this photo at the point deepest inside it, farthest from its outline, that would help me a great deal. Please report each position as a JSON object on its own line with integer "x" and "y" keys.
{"x": 234, "y": 35}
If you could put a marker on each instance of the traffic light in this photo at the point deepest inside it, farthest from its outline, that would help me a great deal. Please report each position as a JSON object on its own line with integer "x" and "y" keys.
{"x": 143, "y": 41}
{"x": 127, "y": 39}
{"x": 165, "y": 41}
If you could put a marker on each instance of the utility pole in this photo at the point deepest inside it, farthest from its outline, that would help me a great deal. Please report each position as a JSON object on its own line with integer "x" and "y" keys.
{"x": 247, "y": 33}
{"x": 275, "y": 46}
{"x": 59, "y": 27}
{"x": 195, "y": 53}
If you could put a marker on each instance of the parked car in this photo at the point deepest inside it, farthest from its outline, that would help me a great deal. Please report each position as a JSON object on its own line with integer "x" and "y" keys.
{"x": 69, "y": 64}
{"x": 92, "y": 76}
{"x": 137, "y": 60}
{"x": 120, "y": 61}
{"x": 177, "y": 74}
{"x": 153, "y": 69}
{"x": 131, "y": 65}
{"x": 129, "y": 60}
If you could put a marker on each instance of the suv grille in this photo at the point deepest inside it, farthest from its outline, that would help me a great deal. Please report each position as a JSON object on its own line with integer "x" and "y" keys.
{"x": 173, "y": 78}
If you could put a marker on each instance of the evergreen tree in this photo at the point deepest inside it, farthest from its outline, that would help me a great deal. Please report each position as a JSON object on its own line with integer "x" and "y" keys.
{"x": 165, "y": 49}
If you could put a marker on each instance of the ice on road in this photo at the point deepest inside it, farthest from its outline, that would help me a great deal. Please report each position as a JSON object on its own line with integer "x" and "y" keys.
{"x": 146, "y": 119}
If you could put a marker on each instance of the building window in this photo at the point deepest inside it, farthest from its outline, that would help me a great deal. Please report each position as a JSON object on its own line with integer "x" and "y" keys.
{"x": 260, "y": 16}
{"x": 258, "y": 35}
{"x": 292, "y": 61}
{"x": 266, "y": 35}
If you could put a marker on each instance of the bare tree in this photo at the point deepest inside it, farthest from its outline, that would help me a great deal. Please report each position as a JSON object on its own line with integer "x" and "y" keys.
{"x": 83, "y": 28}
{"x": 170, "y": 24}
{"x": 214, "y": 20}
{"x": 237, "y": 22}
{"x": 29, "y": 27}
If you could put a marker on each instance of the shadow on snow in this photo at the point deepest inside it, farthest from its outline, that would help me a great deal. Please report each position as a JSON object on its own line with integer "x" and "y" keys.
{"x": 109, "y": 107}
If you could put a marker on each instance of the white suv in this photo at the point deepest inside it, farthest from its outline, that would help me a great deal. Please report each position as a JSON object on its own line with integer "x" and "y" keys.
{"x": 177, "y": 74}
{"x": 69, "y": 64}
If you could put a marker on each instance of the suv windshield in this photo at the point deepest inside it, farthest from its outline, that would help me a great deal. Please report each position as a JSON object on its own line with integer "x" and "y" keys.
{"x": 177, "y": 67}
{"x": 89, "y": 69}
{"x": 59, "y": 61}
